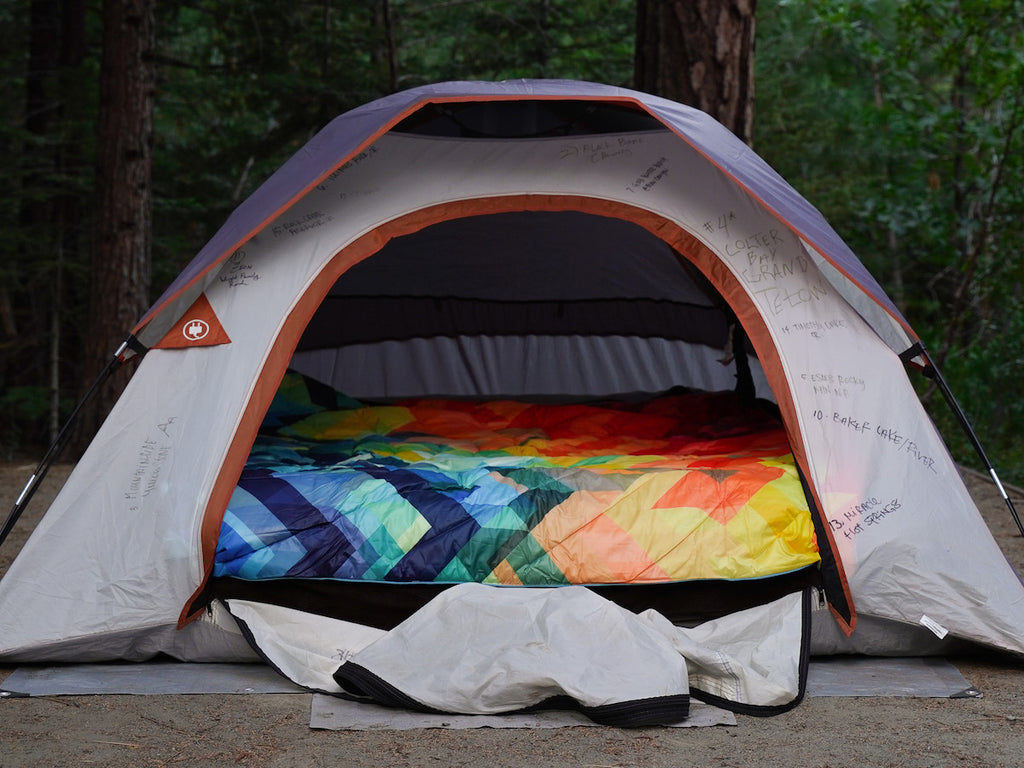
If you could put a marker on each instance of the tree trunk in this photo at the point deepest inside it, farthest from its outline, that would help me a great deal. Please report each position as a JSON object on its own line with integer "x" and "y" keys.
{"x": 700, "y": 53}
{"x": 119, "y": 286}
{"x": 29, "y": 322}
{"x": 384, "y": 53}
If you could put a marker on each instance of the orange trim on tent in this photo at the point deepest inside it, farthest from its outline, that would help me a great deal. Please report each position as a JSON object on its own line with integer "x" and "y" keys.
{"x": 760, "y": 337}
{"x": 284, "y": 346}
{"x": 198, "y": 327}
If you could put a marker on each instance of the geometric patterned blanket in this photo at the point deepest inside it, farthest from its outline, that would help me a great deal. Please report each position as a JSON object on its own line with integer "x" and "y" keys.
{"x": 677, "y": 487}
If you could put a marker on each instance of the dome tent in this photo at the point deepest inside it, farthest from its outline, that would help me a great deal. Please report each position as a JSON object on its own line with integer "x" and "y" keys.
{"x": 541, "y": 240}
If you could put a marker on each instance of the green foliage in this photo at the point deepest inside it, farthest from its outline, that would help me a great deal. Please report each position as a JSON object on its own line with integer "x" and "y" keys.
{"x": 22, "y": 410}
{"x": 993, "y": 370}
{"x": 242, "y": 85}
{"x": 492, "y": 40}
{"x": 46, "y": 153}
{"x": 904, "y": 122}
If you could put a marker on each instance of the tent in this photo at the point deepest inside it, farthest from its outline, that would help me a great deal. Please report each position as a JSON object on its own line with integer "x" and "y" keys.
{"x": 541, "y": 242}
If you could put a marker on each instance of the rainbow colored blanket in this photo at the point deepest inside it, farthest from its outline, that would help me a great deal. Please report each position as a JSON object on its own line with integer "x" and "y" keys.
{"x": 687, "y": 486}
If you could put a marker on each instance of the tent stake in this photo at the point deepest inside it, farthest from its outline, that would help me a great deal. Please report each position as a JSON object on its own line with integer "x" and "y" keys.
{"x": 57, "y": 446}
{"x": 919, "y": 350}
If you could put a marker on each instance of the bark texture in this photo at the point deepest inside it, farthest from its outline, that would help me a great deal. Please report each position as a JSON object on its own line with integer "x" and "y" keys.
{"x": 700, "y": 53}
{"x": 120, "y": 271}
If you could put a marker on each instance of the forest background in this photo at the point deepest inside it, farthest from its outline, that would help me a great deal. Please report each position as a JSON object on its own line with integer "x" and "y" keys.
{"x": 902, "y": 121}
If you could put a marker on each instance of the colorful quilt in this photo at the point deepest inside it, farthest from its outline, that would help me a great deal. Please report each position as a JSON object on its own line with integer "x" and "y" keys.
{"x": 678, "y": 487}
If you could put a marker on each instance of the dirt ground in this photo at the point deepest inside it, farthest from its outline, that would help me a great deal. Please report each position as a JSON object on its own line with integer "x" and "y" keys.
{"x": 273, "y": 730}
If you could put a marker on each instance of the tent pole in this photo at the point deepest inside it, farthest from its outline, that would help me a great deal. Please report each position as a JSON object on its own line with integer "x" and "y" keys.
{"x": 919, "y": 350}
{"x": 58, "y": 444}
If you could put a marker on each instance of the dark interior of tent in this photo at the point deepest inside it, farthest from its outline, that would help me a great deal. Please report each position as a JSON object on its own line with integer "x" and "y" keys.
{"x": 546, "y": 310}
{"x": 507, "y": 284}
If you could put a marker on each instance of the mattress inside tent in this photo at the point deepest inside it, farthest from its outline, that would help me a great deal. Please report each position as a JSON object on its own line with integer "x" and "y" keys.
{"x": 561, "y": 413}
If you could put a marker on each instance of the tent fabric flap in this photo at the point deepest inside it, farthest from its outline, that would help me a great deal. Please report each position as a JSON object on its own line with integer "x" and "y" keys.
{"x": 478, "y": 649}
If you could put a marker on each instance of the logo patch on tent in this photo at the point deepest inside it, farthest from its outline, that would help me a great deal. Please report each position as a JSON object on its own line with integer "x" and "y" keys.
{"x": 198, "y": 327}
{"x": 195, "y": 329}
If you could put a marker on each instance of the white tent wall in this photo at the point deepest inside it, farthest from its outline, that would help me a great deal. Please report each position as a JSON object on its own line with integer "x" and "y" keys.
{"x": 118, "y": 554}
{"x": 115, "y": 555}
{"x": 120, "y": 551}
{"x": 913, "y": 544}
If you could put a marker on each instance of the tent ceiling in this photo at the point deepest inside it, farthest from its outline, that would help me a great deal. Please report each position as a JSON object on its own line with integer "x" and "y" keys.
{"x": 526, "y": 119}
{"x": 535, "y": 273}
{"x": 527, "y": 256}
